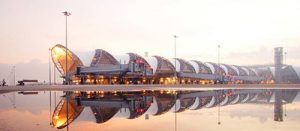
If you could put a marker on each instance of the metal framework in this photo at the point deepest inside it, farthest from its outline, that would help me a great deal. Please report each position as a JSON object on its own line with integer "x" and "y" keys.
{"x": 102, "y": 57}
{"x": 202, "y": 68}
{"x": 164, "y": 67}
{"x": 185, "y": 67}
{"x": 58, "y": 53}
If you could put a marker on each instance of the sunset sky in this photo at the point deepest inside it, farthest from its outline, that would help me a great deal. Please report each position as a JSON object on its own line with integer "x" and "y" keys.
{"x": 246, "y": 30}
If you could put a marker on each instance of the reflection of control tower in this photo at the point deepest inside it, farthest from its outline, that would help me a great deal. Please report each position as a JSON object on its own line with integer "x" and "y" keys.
{"x": 281, "y": 97}
{"x": 278, "y": 108}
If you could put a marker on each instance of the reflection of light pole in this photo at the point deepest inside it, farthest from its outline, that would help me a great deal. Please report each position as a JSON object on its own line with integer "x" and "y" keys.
{"x": 49, "y": 66}
{"x": 67, "y": 14}
{"x": 50, "y": 106}
{"x": 67, "y": 108}
{"x": 285, "y": 102}
{"x": 219, "y": 122}
{"x": 175, "y": 111}
{"x": 175, "y": 74}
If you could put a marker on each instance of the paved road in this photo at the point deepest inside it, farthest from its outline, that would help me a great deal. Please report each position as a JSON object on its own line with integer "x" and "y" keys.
{"x": 144, "y": 87}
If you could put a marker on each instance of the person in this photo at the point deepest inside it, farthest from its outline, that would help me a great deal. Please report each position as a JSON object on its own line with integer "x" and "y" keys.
{"x": 3, "y": 82}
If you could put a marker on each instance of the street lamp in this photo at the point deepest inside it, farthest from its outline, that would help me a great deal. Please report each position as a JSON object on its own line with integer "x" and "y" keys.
{"x": 285, "y": 58}
{"x": 67, "y": 77}
{"x": 175, "y": 74}
{"x": 219, "y": 71}
{"x": 219, "y": 54}
{"x": 49, "y": 66}
{"x": 14, "y": 71}
{"x": 67, "y": 14}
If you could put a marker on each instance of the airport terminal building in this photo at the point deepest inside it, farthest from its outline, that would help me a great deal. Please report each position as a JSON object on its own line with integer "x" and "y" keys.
{"x": 131, "y": 68}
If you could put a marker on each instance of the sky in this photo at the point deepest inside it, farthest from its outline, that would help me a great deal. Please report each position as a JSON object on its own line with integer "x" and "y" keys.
{"x": 247, "y": 31}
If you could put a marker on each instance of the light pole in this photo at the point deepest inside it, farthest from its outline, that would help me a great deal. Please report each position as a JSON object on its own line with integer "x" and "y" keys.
{"x": 67, "y": 14}
{"x": 49, "y": 66}
{"x": 219, "y": 55}
{"x": 54, "y": 74}
{"x": 14, "y": 71}
{"x": 218, "y": 71}
{"x": 175, "y": 73}
{"x": 67, "y": 77}
{"x": 285, "y": 58}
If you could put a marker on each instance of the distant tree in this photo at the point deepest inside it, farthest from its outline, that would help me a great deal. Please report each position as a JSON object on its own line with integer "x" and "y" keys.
{"x": 3, "y": 82}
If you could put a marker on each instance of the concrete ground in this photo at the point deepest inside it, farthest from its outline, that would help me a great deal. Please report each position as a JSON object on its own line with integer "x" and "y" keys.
{"x": 144, "y": 87}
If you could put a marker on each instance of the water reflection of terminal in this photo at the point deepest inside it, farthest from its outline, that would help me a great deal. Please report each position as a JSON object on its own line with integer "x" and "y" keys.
{"x": 105, "y": 105}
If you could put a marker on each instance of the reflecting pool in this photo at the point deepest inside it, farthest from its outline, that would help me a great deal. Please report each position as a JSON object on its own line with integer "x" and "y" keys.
{"x": 213, "y": 110}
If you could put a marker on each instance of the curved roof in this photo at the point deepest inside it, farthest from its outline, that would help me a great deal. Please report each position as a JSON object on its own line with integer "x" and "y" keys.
{"x": 235, "y": 69}
{"x": 130, "y": 57}
{"x": 211, "y": 102}
{"x": 200, "y": 67}
{"x": 138, "y": 112}
{"x": 137, "y": 59}
{"x": 229, "y": 70}
{"x": 265, "y": 72}
{"x": 241, "y": 71}
{"x": 185, "y": 104}
{"x": 163, "y": 66}
{"x": 218, "y": 100}
{"x": 235, "y": 100}
{"x": 242, "y": 97}
{"x": 153, "y": 62}
{"x": 103, "y": 114}
{"x": 58, "y": 54}
{"x": 183, "y": 66}
{"x": 246, "y": 98}
{"x": 215, "y": 68}
{"x": 253, "y": 72}
{"x": 231, "y": 98}
{"x": 297, "y": 70}
{"x": 102, "y": 57}
{"x": 224, "y": 68}
{"x": 246, "y": 70}
{"x": 164, "y": 103}
{"x": 59, "y": 116}
{"x": 204, "y": 100}
{"x": 290, "y": 75}
{"x": 225, "y": 101}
